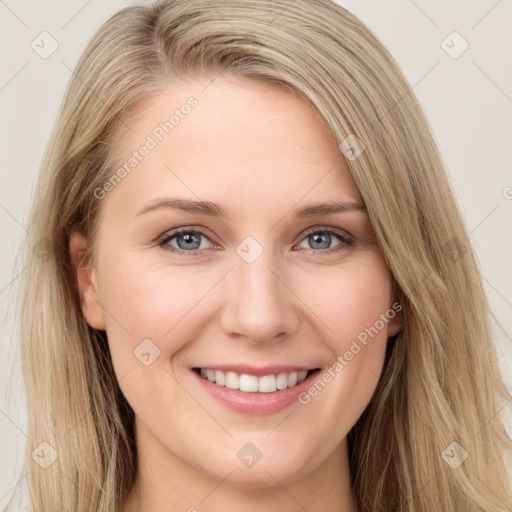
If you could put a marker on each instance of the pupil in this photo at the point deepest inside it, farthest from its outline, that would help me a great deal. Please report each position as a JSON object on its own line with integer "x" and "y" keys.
{"x": 318, "y": 239}
{"x": 189, "y": 237}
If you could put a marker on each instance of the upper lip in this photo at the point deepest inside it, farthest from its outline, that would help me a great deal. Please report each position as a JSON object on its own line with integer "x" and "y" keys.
{"x": 257, "y": 371}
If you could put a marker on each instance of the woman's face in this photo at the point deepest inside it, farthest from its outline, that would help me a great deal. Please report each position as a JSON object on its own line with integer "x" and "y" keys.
{"x": 270, "y": 288}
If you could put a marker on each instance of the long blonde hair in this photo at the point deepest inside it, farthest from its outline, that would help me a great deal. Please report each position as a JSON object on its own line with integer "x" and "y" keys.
{"x": 439, "y": 397}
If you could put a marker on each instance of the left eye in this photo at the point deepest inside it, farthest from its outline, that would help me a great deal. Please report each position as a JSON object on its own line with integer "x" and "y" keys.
{"x": 323, "y": 238}
{"x": 190, "y": 240}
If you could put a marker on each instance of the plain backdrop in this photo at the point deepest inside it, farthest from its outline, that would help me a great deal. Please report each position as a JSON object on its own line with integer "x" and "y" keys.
{"x": 463, "y": 81}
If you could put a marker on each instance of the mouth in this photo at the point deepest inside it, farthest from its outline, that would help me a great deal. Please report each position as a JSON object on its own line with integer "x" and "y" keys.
{"x": 250, "y": 383}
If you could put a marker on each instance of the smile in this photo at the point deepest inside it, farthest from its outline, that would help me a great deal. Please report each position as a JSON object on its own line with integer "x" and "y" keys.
{"x": 252, "y": 383}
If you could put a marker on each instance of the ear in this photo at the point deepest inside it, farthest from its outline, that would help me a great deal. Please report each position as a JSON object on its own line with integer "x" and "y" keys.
{"x": 395, "y": 315}
{"x": 86, "y": 282}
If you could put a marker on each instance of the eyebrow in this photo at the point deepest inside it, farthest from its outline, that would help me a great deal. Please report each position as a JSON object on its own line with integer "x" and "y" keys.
{"x": 215, "y": 210}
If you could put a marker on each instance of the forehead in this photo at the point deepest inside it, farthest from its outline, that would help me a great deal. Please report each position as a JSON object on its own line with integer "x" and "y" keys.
{"x": 234, "y": 140}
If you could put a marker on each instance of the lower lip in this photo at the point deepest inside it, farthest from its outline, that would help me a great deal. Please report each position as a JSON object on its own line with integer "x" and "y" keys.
{"x": 255, "y": 402}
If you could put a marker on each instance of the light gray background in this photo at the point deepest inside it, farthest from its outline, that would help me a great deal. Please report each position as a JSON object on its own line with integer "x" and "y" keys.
{"x": 468, "y": 101}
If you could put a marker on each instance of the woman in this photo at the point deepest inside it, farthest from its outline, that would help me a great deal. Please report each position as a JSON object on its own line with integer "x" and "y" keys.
{"x": 256, "y": 368}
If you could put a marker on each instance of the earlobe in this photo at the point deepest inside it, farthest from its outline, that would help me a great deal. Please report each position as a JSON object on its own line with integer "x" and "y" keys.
{"x": 85, "y": 280}
{"x": 395, "y": 324}
{"x": 395, "y": 314}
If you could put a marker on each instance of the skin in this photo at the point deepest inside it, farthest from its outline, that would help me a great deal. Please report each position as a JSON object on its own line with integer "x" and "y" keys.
{"x": 261, "y": 153}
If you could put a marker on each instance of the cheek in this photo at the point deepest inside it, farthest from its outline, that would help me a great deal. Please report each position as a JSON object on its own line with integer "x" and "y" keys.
{"x": 151, "y": 316}
{"x": 147, "y": 299}
{"x": 349, "y": 299}
{"x": 355, "y": 310}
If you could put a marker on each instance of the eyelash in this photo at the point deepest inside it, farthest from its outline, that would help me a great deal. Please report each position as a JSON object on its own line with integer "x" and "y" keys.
{"x": 345, "y": 238}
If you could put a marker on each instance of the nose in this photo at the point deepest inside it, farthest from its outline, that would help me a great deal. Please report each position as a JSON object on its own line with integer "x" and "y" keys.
{"x": 260, "y": 306}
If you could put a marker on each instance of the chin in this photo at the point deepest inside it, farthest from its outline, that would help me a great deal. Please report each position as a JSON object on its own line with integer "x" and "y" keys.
{"x": 259, "y": 474}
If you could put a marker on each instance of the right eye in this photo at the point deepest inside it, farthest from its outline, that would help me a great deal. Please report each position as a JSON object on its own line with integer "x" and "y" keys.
{"x": 187, "y": 240}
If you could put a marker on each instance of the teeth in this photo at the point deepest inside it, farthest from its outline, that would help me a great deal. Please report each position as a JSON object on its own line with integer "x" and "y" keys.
{"x": 246, "y": 382}
{"x": 232, "y": 381}
{"x": 267, "y": 384}
{"x": 220, "y": 378}
{"x": 282, "y": 381}
{"x": 251, "y": 383}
